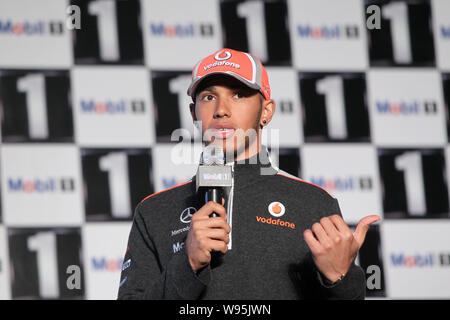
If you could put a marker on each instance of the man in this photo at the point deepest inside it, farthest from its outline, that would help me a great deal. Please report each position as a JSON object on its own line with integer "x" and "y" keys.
{"x": 275, "y": 236}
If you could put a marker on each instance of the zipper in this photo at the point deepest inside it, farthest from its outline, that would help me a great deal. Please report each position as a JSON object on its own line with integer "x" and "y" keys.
{"x": 230, "y": 206}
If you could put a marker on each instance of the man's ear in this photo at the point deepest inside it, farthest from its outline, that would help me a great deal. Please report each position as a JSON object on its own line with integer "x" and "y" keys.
{"x": 268, "y": 109}
{"x": 192, "y": 108}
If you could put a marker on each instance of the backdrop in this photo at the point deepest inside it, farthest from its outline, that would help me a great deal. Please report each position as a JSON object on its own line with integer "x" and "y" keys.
{"x": 87, "y": 117}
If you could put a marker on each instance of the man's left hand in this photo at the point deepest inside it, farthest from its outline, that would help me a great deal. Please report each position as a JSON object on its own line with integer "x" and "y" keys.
{"x": 334, "y": 246}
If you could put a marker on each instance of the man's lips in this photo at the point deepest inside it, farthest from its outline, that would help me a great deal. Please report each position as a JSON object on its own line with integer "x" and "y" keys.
{"x": 222, "y": 131}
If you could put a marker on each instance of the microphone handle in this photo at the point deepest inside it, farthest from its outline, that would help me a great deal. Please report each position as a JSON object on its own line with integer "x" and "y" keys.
{"x": 213, "y": 194}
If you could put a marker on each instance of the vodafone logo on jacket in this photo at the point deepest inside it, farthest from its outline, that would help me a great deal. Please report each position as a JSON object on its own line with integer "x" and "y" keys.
{"x": 276, "y": 209}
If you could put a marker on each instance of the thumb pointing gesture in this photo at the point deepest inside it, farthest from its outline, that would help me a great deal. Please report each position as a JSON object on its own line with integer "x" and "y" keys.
{"x": 363, "y": 227}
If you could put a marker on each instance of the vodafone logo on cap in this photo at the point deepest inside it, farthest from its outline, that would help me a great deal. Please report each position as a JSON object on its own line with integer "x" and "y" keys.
{"x": 277, "y": 209}
{"x": 226, "y": 57}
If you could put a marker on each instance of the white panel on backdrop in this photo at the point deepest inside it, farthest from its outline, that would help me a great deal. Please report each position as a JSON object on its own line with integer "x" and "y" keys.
{"x": 441, "y": 24}
{"x": 328, "y": 35}
{"x": 287, "y": 118}
{"x": 5, "y": 291}
{"x": 348, "y": 172}
{"x": 416, "y": 258}
{"x": 174, "y": 164}
{"x": 112, "y": 106}
{"x": 41, "y": 185}
{"x": 177, "y": 34}
{"x": 35, "y": 34}
{"x": 104, "y": 248}
{"x": 406, "y": 108}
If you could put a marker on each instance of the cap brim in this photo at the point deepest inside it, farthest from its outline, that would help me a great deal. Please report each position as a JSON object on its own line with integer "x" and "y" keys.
{"x": 194, "y": 85}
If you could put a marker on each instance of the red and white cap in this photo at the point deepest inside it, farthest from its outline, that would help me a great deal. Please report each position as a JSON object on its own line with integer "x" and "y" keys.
{"x": 243, "y": 66}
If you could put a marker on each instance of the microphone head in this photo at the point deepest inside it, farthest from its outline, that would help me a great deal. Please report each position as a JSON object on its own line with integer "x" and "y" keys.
{"x": 213, "y": 156}
{"x": 212, "y": 171}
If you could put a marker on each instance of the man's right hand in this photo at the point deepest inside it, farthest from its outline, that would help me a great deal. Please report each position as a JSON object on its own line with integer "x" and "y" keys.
{"x": 207, "y": 234}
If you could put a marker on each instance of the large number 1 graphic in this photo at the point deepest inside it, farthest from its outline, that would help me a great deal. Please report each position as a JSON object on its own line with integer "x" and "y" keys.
{"x": 178, "y": 86}
{"x": 411, "y": 164}
{"x": 105, "y": 11}
{"x": 116, "y": 164}
{"x": 33, "y": 85}
{"x": 253, "y": 12}
{"x": 333, "y": 89}
{"x": 44, "y": 243}
{"x": 397, "y": 13}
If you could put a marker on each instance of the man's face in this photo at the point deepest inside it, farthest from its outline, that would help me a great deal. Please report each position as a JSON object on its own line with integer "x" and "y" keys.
{"x": 230, "y": 113}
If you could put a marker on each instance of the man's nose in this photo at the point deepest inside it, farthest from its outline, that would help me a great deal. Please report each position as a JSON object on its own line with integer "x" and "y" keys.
{"x": 222, "y": 109}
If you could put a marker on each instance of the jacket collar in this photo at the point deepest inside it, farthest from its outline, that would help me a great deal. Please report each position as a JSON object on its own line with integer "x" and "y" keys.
{"x": 253, "y": 169}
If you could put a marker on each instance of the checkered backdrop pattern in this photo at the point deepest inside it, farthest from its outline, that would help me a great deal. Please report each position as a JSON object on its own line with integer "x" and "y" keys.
{"x": 87, "y": 117}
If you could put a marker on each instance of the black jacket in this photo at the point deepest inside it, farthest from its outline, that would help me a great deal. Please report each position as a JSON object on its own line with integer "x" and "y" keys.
{"x": 268, "y": 257}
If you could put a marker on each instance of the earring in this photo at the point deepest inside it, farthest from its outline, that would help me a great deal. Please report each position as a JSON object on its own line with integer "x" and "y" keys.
{"x": 264, "y": 121}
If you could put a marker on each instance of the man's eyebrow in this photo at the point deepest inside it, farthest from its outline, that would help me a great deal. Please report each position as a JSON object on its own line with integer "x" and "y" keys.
{"x": 232, "y": 87}
{"x": 209, "y": 88}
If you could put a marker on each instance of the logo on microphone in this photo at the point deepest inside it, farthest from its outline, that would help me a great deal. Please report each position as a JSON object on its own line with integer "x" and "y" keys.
{"x": 216, "y": 176}
{"x": 277, "y": 209}
{"x": 186, "y": 215}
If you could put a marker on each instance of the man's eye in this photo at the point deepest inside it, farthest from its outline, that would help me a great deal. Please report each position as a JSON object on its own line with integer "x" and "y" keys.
{"x": 208, "y": 97}
{"x": 239, "y": 95}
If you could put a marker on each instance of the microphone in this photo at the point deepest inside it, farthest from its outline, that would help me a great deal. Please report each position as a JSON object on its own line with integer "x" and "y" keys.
{"x": 213, "y": 175}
